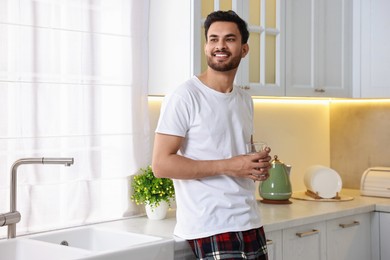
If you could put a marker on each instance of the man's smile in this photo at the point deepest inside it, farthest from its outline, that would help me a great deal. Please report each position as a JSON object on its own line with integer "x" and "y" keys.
{"x": 221, "y": 54}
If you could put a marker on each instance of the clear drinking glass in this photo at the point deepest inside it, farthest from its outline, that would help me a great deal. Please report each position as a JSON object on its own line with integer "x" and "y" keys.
{"x": 255, "y": 147}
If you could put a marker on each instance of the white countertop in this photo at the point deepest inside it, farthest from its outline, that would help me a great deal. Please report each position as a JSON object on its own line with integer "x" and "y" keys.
{"x": 275, "y": 217}
{"x": 301, "y": 212}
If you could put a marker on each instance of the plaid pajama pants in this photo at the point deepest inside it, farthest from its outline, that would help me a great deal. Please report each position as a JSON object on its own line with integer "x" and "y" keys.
{"x": 249, "y": 244}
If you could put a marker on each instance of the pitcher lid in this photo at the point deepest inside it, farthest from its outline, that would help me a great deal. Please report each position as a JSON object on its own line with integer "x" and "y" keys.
{"x": 276, "y": 160}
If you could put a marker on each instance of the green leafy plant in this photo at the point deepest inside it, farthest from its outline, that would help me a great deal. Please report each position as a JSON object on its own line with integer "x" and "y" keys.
{"x": 147, "y": 189}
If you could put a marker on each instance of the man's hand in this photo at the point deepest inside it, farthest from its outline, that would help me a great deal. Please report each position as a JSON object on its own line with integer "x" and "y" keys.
{"x": 254, "y": 166}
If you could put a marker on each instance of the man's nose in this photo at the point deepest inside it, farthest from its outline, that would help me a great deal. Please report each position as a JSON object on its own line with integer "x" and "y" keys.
{"x": 221, "y": 45}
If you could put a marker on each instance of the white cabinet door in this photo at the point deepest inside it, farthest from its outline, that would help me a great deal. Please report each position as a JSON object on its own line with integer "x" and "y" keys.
{"x": 384, "y": 235}
{"x": 171, "y": 48}
{"x": 305, "y": 242}
{"x": 375, "y": 51}
{"x": 349, "y": 238}
{"x": 274, "y": 245}
{"x": 319, "y": 48}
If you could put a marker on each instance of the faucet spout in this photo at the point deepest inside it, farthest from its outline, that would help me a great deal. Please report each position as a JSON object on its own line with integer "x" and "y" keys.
{"x": 64, "y": 161}
{"x": 13, "y": 217}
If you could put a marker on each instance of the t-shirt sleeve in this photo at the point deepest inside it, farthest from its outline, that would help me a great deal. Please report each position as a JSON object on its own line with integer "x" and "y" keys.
{"x": 174, "y": 116}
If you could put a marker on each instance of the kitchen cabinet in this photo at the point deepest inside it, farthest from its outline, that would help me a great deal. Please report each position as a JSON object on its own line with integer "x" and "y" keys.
{"x": 300, "y": 48}
{"x": 305, "y": 242}
{"x": 176, "y": 48}
{"x": 261, "y": 72}
{"x": 274, "y": 245}
{"x": 374, "y": 70}
{"x": 349, "y": 238}
{"x": 340, "y": 238}
{"x": 282, "y": 223}
{"x": 184, "y": 254}
{"x": 384, "y": 235}
{"x": 319, "y": 48}
{"x": 172, "y": 46}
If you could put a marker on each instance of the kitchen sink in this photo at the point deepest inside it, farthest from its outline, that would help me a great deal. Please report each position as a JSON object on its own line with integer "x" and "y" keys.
{"x": 95, "y": 239}
{"x": 21, "y": 249}
{"x": 87, "y": 243}
{"x": 110, "y": 244}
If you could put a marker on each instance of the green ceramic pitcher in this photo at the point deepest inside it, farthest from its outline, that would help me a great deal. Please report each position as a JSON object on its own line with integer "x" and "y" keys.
{"x": 277, "y": 188}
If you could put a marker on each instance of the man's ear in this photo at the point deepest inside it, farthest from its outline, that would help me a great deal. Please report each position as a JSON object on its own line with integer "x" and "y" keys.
{"x": 245, "y": 50}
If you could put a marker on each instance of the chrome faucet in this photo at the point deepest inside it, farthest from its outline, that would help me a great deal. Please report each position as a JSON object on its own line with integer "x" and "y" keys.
{"x": 11, "y": 218}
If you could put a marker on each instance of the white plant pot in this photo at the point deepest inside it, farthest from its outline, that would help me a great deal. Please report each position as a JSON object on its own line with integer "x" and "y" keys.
{"x": 157, "y": 213}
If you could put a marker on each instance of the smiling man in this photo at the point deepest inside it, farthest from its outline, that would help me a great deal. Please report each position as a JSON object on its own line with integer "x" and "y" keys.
{"x": 200, "y": 143}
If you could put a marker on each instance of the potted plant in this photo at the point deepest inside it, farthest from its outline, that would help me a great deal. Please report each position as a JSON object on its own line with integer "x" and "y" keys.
{"x": 154, "y": 193}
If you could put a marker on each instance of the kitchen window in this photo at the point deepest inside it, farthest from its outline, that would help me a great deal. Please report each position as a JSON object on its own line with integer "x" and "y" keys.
{"x": 73, "y": 83}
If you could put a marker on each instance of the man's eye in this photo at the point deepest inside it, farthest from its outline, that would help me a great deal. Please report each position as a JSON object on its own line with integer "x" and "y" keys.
{"x": 213, "y": 40}
{"x": 230, "y": 39}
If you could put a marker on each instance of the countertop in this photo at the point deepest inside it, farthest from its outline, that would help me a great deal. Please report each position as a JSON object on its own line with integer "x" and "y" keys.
{"x": 301, "y": 212}
{"x": 275, "y": 217}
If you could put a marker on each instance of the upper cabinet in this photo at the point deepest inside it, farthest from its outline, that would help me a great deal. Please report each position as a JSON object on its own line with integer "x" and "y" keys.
{"x": 171, "y": 44}
{"x": 177, "y": 38}
{"x": 337, "y": 48}
{"x": 372, "y": 77}
{"x": 319, "y": 48}
{"x": 260, "y": 72}
{"x": 299, "y": 48}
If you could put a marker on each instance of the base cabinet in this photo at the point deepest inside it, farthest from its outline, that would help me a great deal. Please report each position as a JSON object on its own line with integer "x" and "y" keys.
{"x": 349, "y": 238}
{"x": 384, "y": 235}
{"x": 342, "y": 238}
{"x": 274, "y": 245}
{"x": 305, "y": 242}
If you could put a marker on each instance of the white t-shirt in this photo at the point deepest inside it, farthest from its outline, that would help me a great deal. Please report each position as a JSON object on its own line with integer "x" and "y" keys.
{"x": 215, "y": 126}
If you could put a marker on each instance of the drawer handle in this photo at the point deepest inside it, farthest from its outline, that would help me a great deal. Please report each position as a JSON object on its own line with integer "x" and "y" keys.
{"x": 269, "y": 242}
{"x": 319, "y": 90}
{"x": 307, "y": 233}
{"x": 245, "y": 87}
{"x": 355, "y": 223}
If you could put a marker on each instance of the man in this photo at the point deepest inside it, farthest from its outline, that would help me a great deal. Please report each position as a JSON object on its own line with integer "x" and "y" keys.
{"x": 200, "y": 143}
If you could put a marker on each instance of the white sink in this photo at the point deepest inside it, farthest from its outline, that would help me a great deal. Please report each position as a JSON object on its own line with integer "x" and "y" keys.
{"x": 22, "y": 249}
{"x": 110, "y": 244}
{"x": 95, "y": 239}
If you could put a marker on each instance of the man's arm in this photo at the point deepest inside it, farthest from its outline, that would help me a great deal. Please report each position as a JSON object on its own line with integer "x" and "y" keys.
{"x": 166, "y": 163}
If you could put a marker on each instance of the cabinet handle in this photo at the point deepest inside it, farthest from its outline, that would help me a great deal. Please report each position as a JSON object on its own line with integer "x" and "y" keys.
{"x": 245, "y": 87}
{"x": 355, "y": 223}
{"x": 269, "y": 242}
{"x": 307, "y": 233}
{"x": 320, "y": 90}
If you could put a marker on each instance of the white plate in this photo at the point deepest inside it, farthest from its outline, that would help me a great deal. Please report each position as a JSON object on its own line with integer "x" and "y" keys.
{"x": 322, "y": 180}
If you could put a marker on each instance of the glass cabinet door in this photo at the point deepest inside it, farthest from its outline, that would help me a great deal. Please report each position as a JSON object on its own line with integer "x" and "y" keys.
{"x": 260, "y": 71}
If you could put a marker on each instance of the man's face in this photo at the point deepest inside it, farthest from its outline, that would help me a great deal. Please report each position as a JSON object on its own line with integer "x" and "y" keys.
{"x": 223, "y": 47}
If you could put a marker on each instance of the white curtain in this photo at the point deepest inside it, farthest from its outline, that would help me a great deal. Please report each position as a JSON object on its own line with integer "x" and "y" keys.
{"x": 73, "y": 83}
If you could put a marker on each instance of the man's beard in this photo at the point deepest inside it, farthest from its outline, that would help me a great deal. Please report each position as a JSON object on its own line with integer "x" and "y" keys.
{"x": 221, "y": 66}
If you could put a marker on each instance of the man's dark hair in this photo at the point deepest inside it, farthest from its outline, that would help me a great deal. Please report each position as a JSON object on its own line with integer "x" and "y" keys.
{"x": 227, "y": 16}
